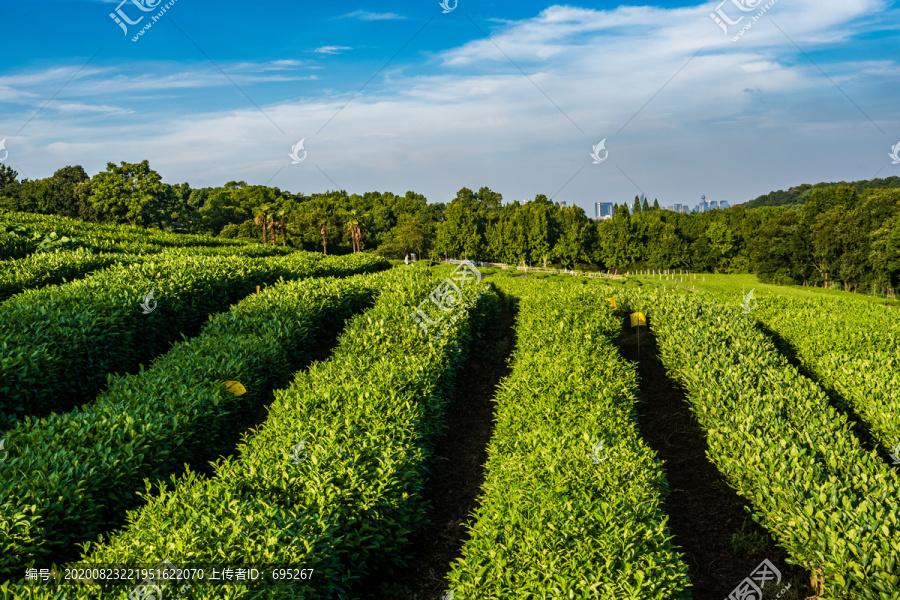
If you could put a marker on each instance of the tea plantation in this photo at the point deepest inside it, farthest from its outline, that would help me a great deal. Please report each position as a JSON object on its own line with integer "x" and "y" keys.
{"x": 281, "y": 411}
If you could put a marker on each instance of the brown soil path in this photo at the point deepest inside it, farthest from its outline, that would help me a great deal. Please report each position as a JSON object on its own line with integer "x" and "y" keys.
{"x": 458, "y": 470}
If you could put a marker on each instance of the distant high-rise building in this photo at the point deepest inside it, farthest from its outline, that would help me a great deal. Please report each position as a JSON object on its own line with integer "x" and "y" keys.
{"x": 562, "y": 203}
{"x": 713, "y": 205}
{"x": 604, "y": 210}
{"x": 724, "y": 204}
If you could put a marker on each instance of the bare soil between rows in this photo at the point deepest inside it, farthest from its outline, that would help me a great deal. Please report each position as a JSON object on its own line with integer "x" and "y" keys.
{"x": 719, "y": 542}
{"x": 712, "y": 530}
{"x": 457, "y": 473}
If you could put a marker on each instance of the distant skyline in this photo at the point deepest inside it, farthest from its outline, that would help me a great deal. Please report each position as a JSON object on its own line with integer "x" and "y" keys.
{"x": 585, "y": 103}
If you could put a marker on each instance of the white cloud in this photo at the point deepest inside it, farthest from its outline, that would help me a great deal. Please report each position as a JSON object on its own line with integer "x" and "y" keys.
{"x": 332, "y": 49}
{"x": 737, "y": 120}
{"x": 370, "y": 16}
{"x": 273, "y": 65}
{"x": 79, "y": 107}
{"x": 143, "y": 78}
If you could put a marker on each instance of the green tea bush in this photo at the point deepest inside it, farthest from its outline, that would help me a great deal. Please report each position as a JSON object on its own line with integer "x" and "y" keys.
{"x": 87, "y": 466}
{"x": 851, "y": 348}
{"x": 561, "y": 516}
{"x": 15, "y": 246}
{"x": 367, "y": 419}
{"x": 90, "y": 232}
{"x": 772, "y": 433}
{"x": 58, "y": 343}
{"x": 46, "y": 268}
{"x": 33, "y": 241}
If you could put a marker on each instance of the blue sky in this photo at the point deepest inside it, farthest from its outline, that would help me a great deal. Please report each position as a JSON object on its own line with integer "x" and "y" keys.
{"x": 398, "y": 96}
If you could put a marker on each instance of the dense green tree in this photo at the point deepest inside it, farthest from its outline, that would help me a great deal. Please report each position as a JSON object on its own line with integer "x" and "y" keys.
{"x": 797, "y": 196}
{"x": 130, "y": 193}
{"x": 462, "y": 234}
{"x": 885, "y": 253}
{"x": 845, "y": 232}
{"x": 66, "y": 193}
{"x": 617, "y": 240}
{"x": 843, "y": 197}
{"x": 8, "y": 176}
{"x": 774, "y": 250}
{"x": 540, "y": 232}
{"x": 671, "y": 251}
{"x": 221, "y": 206}
{"x": 411, "y": 234}
{"x": 827, "y": 243}
{"x": 9, "y": 188}
{"x": 572, "y": 243}
{"x": 720, "y": 241}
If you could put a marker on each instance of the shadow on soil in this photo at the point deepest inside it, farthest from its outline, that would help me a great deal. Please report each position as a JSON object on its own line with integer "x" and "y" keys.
{"x": 719, "y": 542}
{"x": 457, "y": 472}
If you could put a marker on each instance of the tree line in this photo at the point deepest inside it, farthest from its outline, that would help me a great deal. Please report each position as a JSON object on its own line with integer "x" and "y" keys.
{"x": 798, "y": 195}
{"x": 844, "y": 234}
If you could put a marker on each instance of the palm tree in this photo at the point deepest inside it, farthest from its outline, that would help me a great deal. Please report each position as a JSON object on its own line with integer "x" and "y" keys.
{"x": 349, "y": 227}
{"x": 281, "y": 214}
{"x": 324, "y": 239}
{"x": 355, "y": 229}
{"x": 352, "y": 228}
{"x": 359, "y": 235}
{"x": 262, "y": 218}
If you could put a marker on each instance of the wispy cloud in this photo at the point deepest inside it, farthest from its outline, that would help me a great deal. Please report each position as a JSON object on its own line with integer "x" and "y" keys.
{"x": 332, "y": 49}
{"x": 371, "y": 16}
{"x": 738, "y": 120}
{"x": 274, "y": 65}
{"x": 151, "y": 78}
{"x": 80, "y": 107}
